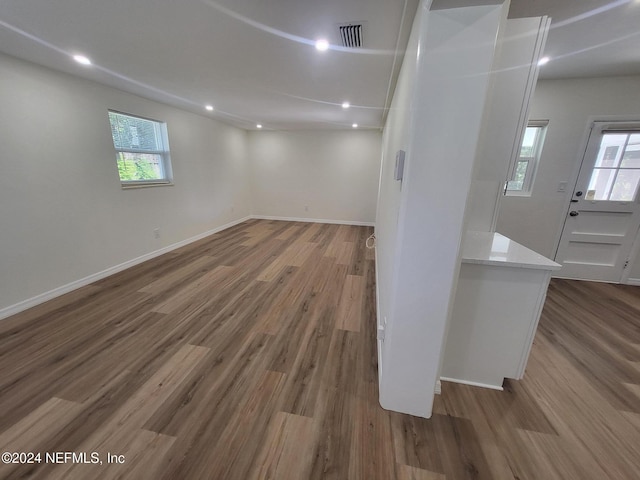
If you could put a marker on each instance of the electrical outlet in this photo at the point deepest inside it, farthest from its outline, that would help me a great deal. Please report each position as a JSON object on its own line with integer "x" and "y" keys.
{"x": 306, "y": 208}
{"x": 562, "y": 187}
{"x": 233, "y": 208}
{"x": 156, "y": 233}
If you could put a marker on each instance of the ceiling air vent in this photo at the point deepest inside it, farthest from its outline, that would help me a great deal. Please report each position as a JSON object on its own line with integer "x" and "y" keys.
{"x": 351, "y": 35}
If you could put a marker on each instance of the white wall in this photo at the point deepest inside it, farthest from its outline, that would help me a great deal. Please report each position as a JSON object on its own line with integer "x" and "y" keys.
{"x": 441, "y": 91}
{"x": 63, "y": 213}
{"x": 536, "y": 221}
{"x": 333, "y": 173}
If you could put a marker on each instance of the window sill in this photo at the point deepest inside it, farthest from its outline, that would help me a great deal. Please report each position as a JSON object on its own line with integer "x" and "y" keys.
{"x": 131, "y": 186}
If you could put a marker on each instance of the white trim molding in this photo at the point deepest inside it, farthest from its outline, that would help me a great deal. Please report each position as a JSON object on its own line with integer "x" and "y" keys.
{"x": 633, "y": 281}
{"x": 473, "y": 384}
{"x": 314, "y": 220}
{"x": 379, "y": 322}
{"x": 82, "y": 282}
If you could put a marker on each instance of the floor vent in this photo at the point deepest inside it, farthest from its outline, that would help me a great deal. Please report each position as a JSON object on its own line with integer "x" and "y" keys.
{"x": 351, "y": 35}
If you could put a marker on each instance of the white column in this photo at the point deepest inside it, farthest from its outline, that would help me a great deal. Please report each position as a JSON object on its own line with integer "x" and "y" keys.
{"x": 436, "y": 117}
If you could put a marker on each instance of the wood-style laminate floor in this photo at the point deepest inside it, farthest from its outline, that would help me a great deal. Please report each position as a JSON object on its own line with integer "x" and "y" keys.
{"x": 251, "y": 355}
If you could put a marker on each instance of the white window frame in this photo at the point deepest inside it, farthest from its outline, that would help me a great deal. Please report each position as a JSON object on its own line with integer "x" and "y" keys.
{"x": 532, "y": 161}
{"x": 162, "y": 139}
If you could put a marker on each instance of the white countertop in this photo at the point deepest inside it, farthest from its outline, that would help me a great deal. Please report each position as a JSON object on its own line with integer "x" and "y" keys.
{"x": 488, "y": 248}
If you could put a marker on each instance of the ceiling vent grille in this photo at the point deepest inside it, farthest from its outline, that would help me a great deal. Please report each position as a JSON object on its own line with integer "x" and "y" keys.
{"x": 351, "y": 35}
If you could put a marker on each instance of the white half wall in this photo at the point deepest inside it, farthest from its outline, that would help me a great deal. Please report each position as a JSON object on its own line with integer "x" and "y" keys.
{"x": 441, "y": 92}
{"x": 315, "y": 175}
{"x": 569, "y": 105}
{"x": 64, "y": 215}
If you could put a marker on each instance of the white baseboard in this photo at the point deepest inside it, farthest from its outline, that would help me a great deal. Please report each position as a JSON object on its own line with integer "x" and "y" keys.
{"x": 473, "y": 384}
{"x": 379, "y": 321}
{"x": 56, "y": 292}
{"x": 628, "y": 281}
{"x": 314, "y": 220}
{"x": 69, "y": 287}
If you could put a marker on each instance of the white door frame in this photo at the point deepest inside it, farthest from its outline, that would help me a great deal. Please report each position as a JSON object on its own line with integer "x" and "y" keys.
{"x": 591, "y": 119}
{"x": 633, "y": 256}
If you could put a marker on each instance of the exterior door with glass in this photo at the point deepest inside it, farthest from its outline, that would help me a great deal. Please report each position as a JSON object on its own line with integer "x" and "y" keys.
{"x": 604, "y": 214}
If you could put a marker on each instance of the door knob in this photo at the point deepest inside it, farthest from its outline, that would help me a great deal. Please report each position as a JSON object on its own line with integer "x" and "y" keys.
{"x": 573, "y": 213}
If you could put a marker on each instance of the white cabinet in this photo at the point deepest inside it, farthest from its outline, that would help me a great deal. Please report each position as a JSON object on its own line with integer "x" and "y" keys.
{"x": 501, "y": 291}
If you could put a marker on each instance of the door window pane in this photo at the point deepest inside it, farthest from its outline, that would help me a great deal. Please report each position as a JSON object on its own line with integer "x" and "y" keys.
{"x": 631, "y": 157}
{"x": 601, "y": 183}
{"x": 616, "y": 173}
{"x": 626, "y": 185}
{"x": 610, "y": 147}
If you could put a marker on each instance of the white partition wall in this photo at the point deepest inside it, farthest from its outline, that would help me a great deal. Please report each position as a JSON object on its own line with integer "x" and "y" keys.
{"x": 435, "y": 118}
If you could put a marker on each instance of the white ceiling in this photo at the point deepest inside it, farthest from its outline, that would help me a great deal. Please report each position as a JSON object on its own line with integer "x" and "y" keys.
{"x": 588, "y": 37}
{"x": 255, "y": 60}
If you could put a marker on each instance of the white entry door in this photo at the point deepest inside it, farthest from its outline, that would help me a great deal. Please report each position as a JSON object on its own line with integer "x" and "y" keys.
{"x": 604, "y": 215}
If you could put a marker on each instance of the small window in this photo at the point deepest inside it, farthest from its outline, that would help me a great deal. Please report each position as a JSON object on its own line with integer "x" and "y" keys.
{"x": 525, "y": 169}
{"x": 142, "y": 150}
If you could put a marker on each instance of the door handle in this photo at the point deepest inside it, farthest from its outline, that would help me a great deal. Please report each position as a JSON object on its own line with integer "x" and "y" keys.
{"x": 573, "y": 213}
{"x": 578, "y": 194}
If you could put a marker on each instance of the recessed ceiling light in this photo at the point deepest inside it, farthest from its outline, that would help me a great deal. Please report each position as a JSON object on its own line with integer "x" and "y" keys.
{"x": 543, "y": 61}
{"x": 209, "y": 107}
{"x": 82, "y": 59}
{"x": 346, "y": 104}
{"x": 355, "y": 125}
{"x": 322, "y": 44}
{"x": 258, "y": 126}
